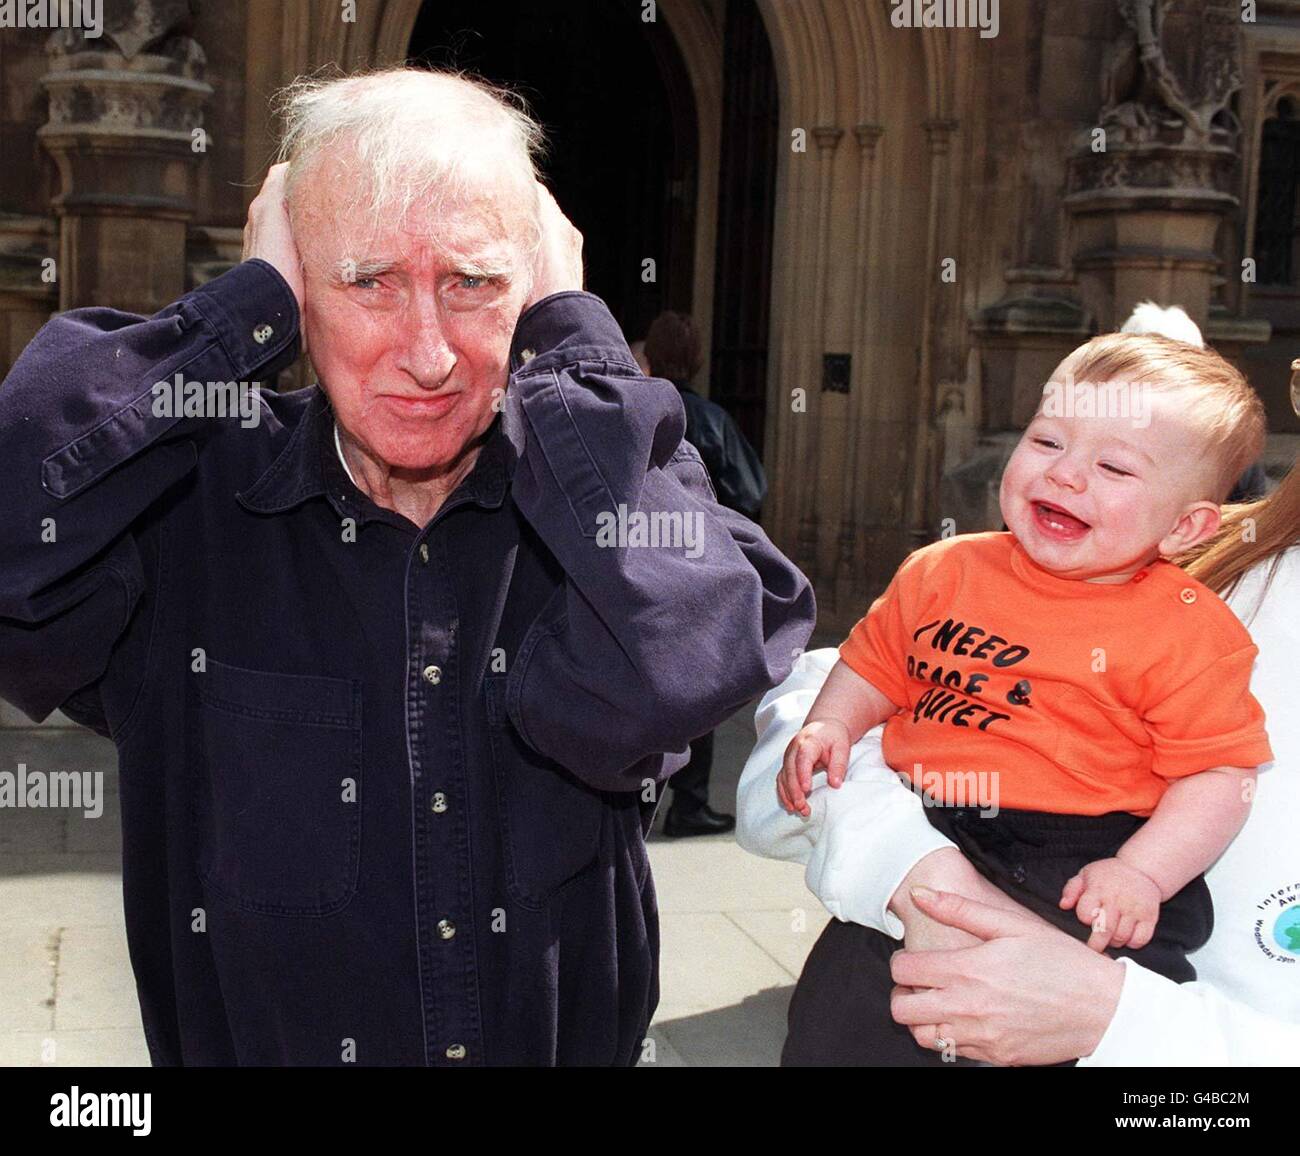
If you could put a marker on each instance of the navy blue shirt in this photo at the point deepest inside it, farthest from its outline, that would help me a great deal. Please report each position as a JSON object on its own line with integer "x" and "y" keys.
{"x": 384, "y": 788}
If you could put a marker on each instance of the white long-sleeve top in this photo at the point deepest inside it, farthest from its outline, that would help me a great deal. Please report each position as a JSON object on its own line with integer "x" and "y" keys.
{"x": 863, "y": 838}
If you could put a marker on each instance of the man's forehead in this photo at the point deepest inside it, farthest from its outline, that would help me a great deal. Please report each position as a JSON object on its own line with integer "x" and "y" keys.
{"x": 451, "y": 236}
{"x": 484, "y": 227}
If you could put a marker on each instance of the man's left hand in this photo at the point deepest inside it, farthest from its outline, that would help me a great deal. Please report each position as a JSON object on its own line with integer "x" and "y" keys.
{"x": 557, "y": 268}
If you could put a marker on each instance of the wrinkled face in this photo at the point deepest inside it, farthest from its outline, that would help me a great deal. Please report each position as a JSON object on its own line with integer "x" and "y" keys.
{"x": 1090, "y": 493}
{"x": 409, "y": 326}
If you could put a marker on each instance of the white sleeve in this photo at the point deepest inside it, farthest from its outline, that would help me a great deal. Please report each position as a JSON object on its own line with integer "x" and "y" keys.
{"x": 861, "y": 839}
{"x": 1160, "y": 1023}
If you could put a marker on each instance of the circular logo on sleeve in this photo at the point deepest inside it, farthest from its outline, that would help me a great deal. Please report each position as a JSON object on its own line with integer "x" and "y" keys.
{"x": 1286, "y": 929}
{"x": 1277, "y": 924}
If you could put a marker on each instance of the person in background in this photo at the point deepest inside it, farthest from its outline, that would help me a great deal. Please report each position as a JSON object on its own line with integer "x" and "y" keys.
{"x": 638, "y": 355}
{"x": 672, "y": 350}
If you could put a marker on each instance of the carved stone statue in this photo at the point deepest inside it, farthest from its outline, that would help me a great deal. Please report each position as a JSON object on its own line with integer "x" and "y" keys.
{"x": 1143, "y": 96}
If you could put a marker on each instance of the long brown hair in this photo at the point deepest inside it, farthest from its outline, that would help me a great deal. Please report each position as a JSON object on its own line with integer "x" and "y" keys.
{"x": 1251, "y": 532}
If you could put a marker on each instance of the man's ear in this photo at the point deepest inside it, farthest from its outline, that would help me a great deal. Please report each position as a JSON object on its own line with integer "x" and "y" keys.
{"x": 1199, "y": 521}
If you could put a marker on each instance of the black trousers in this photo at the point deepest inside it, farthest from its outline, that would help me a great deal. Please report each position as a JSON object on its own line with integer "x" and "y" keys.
{"x": 691, "y": 784}
{"x": 839, "y": 1014}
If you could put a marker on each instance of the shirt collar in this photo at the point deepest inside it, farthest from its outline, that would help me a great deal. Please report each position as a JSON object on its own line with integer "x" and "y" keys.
{"x": 338, "y": 449}
{"x": 311, "y": 465}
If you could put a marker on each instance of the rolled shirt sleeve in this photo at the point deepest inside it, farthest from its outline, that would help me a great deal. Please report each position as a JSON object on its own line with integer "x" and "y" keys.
{"x": 876, "y": 647}
{"x": 1210, "y": 720}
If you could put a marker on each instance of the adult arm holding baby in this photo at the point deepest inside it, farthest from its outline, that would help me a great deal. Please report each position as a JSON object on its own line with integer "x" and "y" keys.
{"x": 847, "y": 707}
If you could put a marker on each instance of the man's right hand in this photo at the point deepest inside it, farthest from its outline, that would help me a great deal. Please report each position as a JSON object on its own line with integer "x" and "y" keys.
{"x": 268, "y": 235}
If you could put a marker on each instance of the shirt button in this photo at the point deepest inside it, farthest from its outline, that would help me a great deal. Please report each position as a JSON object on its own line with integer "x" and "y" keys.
{"x": 1019, "y": 873}
{"x": 439, "y": 802}
{"x": 446, "y": 928}
{"x": 456, "y": 1052}
{"x": 424, "y": 552}
{"x": 262, "y": 334}
{"x": 433, "y": 674}
{"x": 1188, "y": 595}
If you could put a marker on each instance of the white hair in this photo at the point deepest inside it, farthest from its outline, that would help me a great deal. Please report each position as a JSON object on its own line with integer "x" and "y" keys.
{"x": 1148, "y": 317}
{"x": 427, "y": 139}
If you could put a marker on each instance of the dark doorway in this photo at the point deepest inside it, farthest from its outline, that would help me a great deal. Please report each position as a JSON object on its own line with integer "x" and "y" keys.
{"x": 746, "y": 205}
{"x": 1277, "y": 253}
{"x": 1277, "y": 214}
{"x": 619, "y": 113}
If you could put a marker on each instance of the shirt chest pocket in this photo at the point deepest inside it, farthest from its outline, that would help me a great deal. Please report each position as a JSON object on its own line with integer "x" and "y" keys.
{"x": 550, "y": 820}
{"x": 1098, "y": 739}
{"x": 278, "y": 805}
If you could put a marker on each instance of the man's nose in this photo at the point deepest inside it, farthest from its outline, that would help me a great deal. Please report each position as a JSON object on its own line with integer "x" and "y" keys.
{"x": 424, "y": 350}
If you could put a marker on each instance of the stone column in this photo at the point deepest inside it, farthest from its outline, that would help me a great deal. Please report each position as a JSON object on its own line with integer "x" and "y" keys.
{"x": 809, "y": 532}
{"x": 125, "y": 129}
{"x": 28, "y": 289}
{"x": 923, "y": 479}
{"x": 848, "y": 573}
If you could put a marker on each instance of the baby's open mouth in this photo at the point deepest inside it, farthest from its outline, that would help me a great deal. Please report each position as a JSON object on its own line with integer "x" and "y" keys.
{"x": 1061, "y": 523}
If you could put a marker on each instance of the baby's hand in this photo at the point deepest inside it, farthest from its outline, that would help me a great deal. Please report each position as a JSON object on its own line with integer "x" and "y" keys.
{"x": 1121, "y": 903}
{"x": 820, "y": 744}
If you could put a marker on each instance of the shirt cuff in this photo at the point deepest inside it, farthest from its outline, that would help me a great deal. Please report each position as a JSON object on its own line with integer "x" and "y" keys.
{"x": 565, "y": 328}
{"x": 255, "y": 316}
{"x": 871, "y": 835}
{"x": 1142, "y": 1031}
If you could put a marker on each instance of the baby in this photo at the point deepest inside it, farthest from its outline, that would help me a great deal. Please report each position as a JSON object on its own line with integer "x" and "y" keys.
{"x": 1101, "y": 691}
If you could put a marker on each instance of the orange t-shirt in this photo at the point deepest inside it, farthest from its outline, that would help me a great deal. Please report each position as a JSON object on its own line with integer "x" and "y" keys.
{"x": 1076, "y": 697}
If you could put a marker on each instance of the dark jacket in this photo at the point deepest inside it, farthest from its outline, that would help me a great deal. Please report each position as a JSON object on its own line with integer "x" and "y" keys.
{"x": 384, "y": 793}
{"x": 733, "y": 466}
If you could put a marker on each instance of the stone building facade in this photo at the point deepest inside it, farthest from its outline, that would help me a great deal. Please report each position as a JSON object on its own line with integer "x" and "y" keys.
{"x": 887, "y": 233}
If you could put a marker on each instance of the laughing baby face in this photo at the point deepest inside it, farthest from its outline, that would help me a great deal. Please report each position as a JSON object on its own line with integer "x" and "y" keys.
{"x": 1106, "y": 478}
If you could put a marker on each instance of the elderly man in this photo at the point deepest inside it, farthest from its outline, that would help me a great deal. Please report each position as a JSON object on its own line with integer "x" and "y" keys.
{"x": 394, "y": 671}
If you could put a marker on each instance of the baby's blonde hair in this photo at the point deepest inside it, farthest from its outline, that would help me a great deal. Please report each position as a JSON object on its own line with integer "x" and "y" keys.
{"x": 1220, "y": 400}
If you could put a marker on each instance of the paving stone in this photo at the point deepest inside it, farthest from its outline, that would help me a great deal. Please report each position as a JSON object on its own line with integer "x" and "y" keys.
{"x": 27, "y": 957}
{"x": 96, "y": 987}
{"x": 103, "y": 1047}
